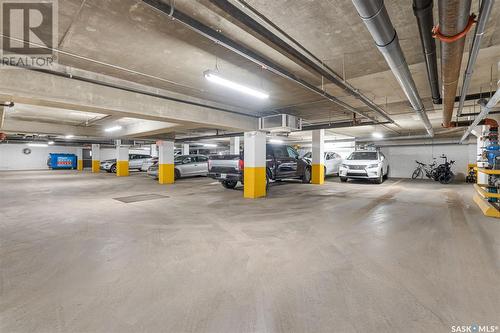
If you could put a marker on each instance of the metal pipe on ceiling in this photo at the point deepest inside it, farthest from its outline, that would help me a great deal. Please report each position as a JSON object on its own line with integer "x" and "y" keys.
{"x": 245, "y": 52}
{"x": 287, "y": 49}
{"x": 484, "y": 14}
{"x": 375, "y": 16}
{"x": 425, "y": 20}
{"x": 453, "y": 19}
{"x": 340, "y": 124}
{"x": 485, "y": 110}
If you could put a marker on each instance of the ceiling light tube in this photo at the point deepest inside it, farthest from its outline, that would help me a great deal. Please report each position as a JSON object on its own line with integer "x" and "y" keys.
{"x": 113, "y": 129}
{"x": 37, "y": 145}
{"x": 69, "y": 136}
{"x": 276, "y": 141}
{"x": 50, "y": 142}
{"x": 210, "y": 145}
{"x": 377, "y": 135}
{"x": 235, "y": 86}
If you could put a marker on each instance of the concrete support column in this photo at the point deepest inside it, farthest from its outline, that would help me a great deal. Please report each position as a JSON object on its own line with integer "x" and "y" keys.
{"x": 79, "y": 159}
{"x": 255, "y": 165}
{"x": 185, "y": 149}
{"x": 2, "y": 116}
{"x": 166, "y": 171}
{"x": 234, "y": 145}
{"x": 122, "y": 161}
{"x": 96, "y": 158}
{"x": 318, "y": 157}
{"x": 154, "y": 150}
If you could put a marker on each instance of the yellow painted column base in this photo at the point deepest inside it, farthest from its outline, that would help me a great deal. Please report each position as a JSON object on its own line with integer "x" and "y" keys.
{"x": 487, "y": 208}
{"x": 166, "y": 174}
{"x": 96, "y": 166}
{"x": 318, "y": 174}
{"x": 79, "y": 165}
{"x": 254, "y": 182}
{"x": 122, "y": 168}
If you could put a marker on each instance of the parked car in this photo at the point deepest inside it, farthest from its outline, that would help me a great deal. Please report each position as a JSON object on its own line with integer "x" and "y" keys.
{"x": 365, "y": 165}
{"x": 332, "y": 162}
{"x": 135, "y": 162}
{"x": 148, "y": 163}
{"x": 282, "y": 162}
{"x": 185, "y": 166}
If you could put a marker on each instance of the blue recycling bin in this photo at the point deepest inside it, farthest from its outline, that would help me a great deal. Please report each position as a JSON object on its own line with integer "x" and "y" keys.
{"x": 62, "y": 161}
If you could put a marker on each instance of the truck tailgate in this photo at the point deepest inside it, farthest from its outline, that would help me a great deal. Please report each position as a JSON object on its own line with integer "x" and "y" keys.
{"x": 224, "y": 164}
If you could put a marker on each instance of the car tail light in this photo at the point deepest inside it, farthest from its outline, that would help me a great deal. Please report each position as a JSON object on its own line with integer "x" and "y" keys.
{"x": 241, "y": 165}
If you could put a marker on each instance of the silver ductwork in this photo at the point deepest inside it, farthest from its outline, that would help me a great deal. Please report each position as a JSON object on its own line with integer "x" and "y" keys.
{"x": 374, "y": 15}
{"x": 484, "y": 14}
{"x": 485, "y": 109}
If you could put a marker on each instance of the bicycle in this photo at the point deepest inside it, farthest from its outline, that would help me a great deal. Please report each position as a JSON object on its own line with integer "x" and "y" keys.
{"x": 422, "y": 168}
{"x": 443, "y": 172}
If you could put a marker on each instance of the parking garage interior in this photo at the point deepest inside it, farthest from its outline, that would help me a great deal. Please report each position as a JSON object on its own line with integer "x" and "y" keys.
{"x": 249, "y": 166}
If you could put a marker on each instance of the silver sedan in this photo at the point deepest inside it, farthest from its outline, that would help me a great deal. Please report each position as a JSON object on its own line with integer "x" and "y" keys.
{"x": 185, "y": 166}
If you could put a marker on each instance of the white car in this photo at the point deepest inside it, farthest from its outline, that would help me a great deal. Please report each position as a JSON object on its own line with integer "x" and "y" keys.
{"x": 365, "y": 165}
{"x": 185, "y": 166}
{"x": 332, "y": 162}
{"x": 135, "y": 162}
{"x": 148, "y": 163}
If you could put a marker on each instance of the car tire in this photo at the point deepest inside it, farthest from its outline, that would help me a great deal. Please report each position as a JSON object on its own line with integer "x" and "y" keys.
{"x": 324, "y": 173}
{"x": 229, "y": 184}
{"x": 306, "y": 178}
{"x": 177, "y": 174}
{"x": 113, "y": 168}
{"x": 343, "y": 179}
{"x": 380, "y": 179}
{"x": 387, "y": 173}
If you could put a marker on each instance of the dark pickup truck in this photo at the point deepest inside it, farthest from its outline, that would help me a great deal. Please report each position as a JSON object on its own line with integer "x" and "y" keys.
{"x": 282, "y": 162}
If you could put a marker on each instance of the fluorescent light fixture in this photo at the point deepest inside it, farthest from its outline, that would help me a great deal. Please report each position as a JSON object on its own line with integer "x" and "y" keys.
{"x": 69, "y": 136}
{"x": 276, "y": 141}
{"x": 37, "y": 145}
{"x": 235, "y": 86}
{"x": 377, "y": 135}
{"x": 113, "y": 129}
{"x": 208, "y": 145}
{"x": 50, "y": 142}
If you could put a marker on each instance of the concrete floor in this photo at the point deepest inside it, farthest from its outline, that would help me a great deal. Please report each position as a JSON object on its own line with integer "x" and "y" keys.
{"x": 398, "y": 257}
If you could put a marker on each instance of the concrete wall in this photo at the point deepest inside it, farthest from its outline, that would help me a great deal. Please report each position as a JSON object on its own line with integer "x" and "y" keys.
{"x": 402, "y": 158}
{"x": 12, "y": 157}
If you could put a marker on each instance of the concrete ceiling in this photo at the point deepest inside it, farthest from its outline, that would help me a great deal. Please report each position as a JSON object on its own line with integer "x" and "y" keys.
{"x": 128, "y": 40}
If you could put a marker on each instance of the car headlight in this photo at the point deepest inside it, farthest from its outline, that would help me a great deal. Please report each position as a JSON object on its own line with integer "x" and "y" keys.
{"x": 371, "y": 166}
{"x": 345, "y": 166}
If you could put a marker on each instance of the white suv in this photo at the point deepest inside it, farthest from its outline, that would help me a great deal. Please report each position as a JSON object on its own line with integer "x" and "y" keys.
{"x": 365, "y": 165}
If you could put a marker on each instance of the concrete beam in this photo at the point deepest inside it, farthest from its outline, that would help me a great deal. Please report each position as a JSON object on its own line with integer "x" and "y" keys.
{"x": 104, "y": 121}
{"x": 146, "y": 128}
{"x": 23, "y": 126}
{"x": 37, "y": 88}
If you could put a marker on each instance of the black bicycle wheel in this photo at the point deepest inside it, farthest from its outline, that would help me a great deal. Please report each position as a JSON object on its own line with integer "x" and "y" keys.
{"x": 416, "y": 174}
